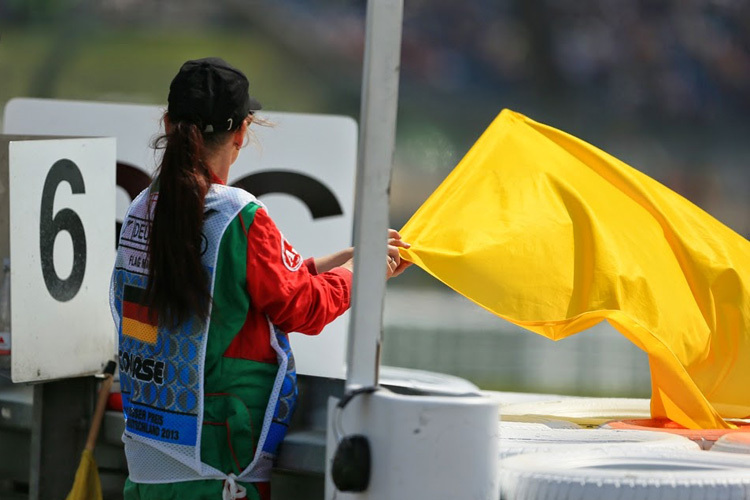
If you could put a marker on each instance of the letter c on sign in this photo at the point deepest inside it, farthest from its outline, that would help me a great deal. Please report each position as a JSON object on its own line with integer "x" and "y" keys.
{"x": 318, "y": 198}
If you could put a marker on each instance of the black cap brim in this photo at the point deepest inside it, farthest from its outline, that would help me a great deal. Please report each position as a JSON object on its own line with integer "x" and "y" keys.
{"x": 254, "y": 105}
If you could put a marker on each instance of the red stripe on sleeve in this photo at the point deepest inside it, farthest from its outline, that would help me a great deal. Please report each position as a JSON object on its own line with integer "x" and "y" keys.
{"x": 310, "y": 264}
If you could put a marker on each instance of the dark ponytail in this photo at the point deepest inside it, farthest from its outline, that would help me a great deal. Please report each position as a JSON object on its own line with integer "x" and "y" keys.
{"x": 178, "y": 287}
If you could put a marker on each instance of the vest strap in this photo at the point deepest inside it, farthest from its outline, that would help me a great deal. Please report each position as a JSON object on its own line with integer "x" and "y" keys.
{"x": 232, "y": 490}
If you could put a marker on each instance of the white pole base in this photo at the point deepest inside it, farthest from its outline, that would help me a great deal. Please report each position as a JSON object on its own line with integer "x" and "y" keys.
{"x": 422, "y": 447}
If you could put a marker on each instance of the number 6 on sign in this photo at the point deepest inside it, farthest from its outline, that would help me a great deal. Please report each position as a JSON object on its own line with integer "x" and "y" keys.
{"x": 61, "y": 219}
{"x": 65, "y": 220}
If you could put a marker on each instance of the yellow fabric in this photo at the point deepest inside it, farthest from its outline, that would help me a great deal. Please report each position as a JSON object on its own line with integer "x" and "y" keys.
{"x": 556, "y": 235}
{"x": 86, "y": 485}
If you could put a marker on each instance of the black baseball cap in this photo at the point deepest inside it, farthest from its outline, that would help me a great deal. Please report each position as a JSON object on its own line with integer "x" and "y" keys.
{"x": 212, "y": 94}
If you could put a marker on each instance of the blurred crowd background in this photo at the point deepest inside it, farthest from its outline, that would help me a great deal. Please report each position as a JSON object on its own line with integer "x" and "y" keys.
{"x": 662, "y": 84}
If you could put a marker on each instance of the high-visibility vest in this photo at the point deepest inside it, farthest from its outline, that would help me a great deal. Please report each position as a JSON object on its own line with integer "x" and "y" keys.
{"x": 162, "y": 370}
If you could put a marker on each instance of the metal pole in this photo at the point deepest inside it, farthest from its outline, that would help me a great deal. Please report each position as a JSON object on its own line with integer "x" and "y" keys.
{"x": 376, "y": 145}
{"x": 60, "y": 418}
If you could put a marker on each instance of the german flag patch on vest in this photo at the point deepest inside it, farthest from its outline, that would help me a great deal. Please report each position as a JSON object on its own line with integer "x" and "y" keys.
{"x": 136, "y": 320}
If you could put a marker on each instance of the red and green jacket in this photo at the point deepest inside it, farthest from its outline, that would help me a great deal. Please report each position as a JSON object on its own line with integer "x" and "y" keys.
{"x": 262, "y": 289}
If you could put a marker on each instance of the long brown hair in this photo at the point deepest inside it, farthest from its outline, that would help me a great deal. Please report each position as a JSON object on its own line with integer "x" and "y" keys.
{"x": 178, "y": 286}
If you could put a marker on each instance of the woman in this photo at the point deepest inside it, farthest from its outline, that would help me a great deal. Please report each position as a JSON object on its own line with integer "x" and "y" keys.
{"x": 204, "y": 290}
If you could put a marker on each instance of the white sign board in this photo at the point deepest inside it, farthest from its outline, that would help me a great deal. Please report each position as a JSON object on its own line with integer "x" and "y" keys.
{"x": 61, "y": 210}
{"x": 303, "y": 169}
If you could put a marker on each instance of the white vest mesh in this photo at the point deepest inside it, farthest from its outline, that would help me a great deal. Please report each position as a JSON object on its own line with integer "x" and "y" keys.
{"x": 158, "y": 461}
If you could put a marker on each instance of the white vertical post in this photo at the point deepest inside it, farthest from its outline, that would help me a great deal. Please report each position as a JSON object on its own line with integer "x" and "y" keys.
{"x": 375, "y": 158}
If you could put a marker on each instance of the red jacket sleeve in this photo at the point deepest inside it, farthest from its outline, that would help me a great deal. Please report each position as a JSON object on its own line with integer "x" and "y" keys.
{"x": 281, "y": 285}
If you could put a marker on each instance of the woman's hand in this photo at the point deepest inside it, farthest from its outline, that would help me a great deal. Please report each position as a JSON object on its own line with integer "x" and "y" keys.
{"x": 396, "y": 266}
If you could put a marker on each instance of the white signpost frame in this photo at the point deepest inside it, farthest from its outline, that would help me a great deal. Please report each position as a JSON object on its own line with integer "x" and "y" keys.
{"x": 302, "y": 167}
{"x": 61, "y": 206}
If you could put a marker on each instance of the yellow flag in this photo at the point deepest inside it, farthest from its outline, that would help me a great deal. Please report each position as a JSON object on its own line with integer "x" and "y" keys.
{"x": 86, "y": 485}
{"x": 555, "y": 235}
